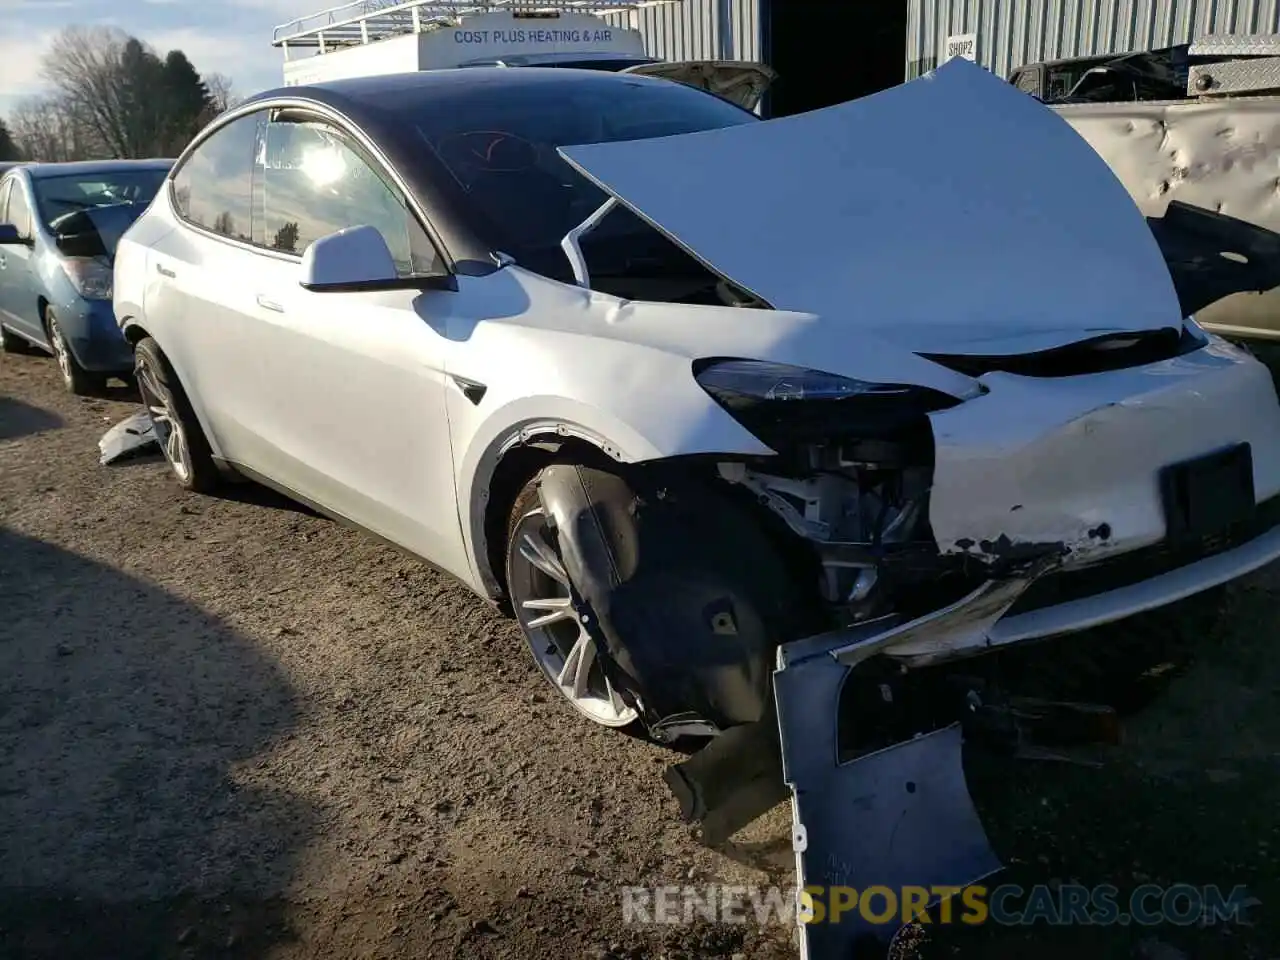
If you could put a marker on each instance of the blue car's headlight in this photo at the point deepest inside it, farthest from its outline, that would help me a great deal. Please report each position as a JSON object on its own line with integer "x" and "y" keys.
{"x": 91, "y": 278}
{"x": 780, "y": 403}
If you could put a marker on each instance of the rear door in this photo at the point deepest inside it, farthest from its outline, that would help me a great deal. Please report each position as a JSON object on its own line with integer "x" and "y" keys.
{"x": 199, "y": 293}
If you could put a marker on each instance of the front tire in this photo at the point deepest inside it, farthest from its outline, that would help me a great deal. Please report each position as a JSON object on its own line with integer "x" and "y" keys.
{"x": 553, "y": 627}
{"x": 78, "y": 381}
{"x": 181, "y": 438}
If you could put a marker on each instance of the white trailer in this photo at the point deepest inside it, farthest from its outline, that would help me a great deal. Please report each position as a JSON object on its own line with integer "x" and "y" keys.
{"x": 373, "y": 37}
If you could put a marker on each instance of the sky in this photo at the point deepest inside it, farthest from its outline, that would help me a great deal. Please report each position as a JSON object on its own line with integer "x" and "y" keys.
{"x": 231, "y": 37}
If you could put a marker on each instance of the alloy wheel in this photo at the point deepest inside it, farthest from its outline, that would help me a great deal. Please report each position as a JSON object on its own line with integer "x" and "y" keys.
{"x": 61, "y": 352}
{"x": 555, "y": 629}
{"x": 168, "y": 428}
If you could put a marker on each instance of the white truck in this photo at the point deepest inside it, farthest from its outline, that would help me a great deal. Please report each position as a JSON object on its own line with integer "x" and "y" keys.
{"x": 372, "y": 37}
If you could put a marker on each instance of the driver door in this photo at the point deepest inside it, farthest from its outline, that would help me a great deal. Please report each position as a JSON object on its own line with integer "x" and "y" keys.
{"x": 19, "y": 298}
{"x": 350, "y": 387}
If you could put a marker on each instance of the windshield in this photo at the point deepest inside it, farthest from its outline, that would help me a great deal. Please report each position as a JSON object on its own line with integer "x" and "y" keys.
{"x": 501, "y": 150}
{"x": 58, "y": 196}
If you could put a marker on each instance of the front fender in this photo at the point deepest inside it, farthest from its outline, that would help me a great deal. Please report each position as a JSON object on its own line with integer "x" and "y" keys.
{"x": 646, "y": 433}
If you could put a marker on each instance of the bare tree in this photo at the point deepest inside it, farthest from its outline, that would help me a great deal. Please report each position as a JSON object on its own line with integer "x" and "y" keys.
{"x": 45, "y": 130}
{"x": 85, "y": 67}
{"x": 113, "y": 96}
{"x": 221, "y": 95}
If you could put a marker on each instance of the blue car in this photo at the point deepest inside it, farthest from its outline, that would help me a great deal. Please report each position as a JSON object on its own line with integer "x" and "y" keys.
{"x": 59, "y": 226}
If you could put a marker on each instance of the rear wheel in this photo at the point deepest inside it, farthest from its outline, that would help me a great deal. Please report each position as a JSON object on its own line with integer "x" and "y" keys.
{"x": 75, "y": 378}
{"x": 555, "y": 629}
{"x": 181, "y": 438}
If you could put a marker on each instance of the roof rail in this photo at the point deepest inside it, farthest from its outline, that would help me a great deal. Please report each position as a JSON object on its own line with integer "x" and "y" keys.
{"x": 366, "y": 21}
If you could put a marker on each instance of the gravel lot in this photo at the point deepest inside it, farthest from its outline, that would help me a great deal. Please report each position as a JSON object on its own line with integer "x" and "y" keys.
{"x": 229, "y": 728}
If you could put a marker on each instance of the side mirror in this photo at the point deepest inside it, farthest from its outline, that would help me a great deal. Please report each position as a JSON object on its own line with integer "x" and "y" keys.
{"x": 357, "y": 259}
{"x": 10, "y": 237}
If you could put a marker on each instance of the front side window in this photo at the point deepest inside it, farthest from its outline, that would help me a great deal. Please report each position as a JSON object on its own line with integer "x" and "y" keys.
{"x": 317, "y": 181}
{"x": 213, "y": 188}
{"x": 19, "y": 213}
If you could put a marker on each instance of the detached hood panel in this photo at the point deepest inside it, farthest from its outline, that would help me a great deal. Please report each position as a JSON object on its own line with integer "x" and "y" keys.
{"x": 951, "y": 214}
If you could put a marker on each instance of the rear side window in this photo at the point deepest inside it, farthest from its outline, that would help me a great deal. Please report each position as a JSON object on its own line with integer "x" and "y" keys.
{"x": 213, "y": 188}
{"x": 1028, "y": 81}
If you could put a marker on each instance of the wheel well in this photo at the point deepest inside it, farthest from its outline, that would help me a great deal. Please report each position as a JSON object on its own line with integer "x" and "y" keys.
{"x": 133, "y": 332}
{"x": 517, "y": 467}
{"x": 42, "y": 307}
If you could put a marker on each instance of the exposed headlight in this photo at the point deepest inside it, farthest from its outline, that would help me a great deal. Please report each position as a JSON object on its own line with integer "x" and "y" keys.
{"x": 91, "y": 278}
{"x": 780, "y": 403}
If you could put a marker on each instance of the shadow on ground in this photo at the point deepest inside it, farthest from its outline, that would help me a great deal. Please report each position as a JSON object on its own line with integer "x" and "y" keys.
{"x": 1190, "y": 798}
{"x": 18, "y": 419}
{"x": 125, "y": 715}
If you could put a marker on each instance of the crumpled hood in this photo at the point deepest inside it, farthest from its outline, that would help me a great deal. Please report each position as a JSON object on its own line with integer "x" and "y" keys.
{"x": 951, "y": 214}
{"x": 96, "y": 231}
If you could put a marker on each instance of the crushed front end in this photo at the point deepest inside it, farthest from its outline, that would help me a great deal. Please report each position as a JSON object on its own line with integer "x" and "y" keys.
{"x": 818, "y": 612}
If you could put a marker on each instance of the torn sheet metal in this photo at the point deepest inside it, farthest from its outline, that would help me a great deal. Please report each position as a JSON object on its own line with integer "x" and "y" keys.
{"x": 864, "y": 198}
{"x": 1074, "y": 460}
{"x": 130, "y": 436}
{"x": 1218, "y": 155}
{"x": 898, "y": 817}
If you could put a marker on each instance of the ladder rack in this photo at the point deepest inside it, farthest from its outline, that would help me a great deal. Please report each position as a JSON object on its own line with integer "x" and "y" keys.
{"x": 367, "y": 21}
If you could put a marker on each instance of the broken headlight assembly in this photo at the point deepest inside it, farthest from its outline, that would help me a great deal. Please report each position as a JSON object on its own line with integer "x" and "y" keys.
{"x": 783, "y": 404}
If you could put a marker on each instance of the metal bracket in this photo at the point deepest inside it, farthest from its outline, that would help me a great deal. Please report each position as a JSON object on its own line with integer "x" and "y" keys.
{"x": 571, "y": 244}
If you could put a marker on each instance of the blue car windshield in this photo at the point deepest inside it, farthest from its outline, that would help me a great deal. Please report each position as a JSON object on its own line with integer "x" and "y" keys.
{"x": 58, "y": 196}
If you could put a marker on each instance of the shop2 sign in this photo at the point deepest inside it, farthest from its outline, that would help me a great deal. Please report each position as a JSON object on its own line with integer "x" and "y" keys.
{"x": 961, "y": 45}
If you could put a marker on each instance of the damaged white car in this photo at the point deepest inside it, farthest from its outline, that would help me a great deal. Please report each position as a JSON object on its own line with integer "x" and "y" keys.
{"x": 737, "y": 415}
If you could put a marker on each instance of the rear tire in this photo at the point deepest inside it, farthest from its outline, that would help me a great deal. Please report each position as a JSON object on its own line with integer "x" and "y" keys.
{"x": 78, "y": 381}
{"x": 178, "y": 431}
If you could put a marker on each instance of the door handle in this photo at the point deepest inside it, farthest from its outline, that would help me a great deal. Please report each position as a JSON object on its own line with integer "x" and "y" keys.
{"x": 268, "y": 304}
{"x": 164, "y": 271}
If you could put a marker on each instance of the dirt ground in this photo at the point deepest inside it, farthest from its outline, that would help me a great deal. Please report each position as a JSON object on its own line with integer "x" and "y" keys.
{"x": 229, "y": 728}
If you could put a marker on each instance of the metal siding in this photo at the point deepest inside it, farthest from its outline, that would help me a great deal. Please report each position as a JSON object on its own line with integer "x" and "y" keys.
{"x": 690, "y": 29}
{"x": 1015, "y": 32}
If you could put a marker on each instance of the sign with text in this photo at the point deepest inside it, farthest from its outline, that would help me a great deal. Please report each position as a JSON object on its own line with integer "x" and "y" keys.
{"x": 961, "y": 45}
{"x": 498, "y": 35}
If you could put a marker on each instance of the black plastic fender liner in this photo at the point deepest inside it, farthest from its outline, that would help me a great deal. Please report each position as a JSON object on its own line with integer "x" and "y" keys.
{"x": 689, "y": 597}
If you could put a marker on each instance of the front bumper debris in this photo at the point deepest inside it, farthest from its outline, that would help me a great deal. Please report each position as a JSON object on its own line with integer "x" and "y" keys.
{"x": 899, "y": 817}
{"x": 130, "y": 436}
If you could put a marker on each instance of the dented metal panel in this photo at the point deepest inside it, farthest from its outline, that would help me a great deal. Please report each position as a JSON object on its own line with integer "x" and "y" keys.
{"x": 1042, "y": 461}
{"x": 1016, "y": 32}
{"x": 1221, "y": 155}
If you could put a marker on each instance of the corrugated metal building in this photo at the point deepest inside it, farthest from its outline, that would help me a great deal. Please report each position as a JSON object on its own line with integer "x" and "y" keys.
{"x": 1010, "y": 33}
{"x": 825, "y": 51}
